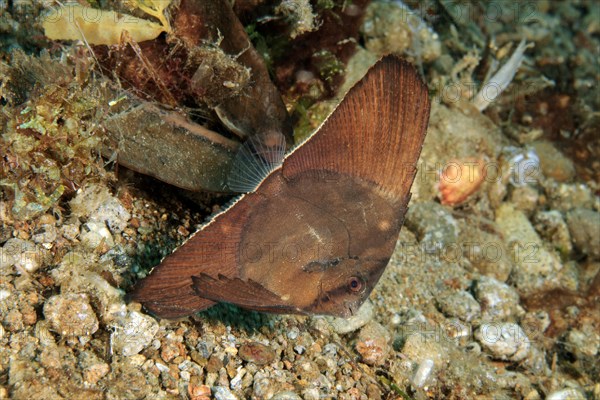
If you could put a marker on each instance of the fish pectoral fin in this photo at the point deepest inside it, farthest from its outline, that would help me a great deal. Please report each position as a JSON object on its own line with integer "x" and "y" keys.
{"x": 243, "y": 293}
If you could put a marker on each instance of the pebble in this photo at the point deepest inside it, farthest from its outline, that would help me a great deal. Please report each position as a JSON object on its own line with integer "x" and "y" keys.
{"x": 133, "y": 333}
{"x": 97, "y": 204}
{"x": 535, "y": 267}
{"x": 346, "y": 325}
{"x": 293, "y": 333}
{"x": 566, "y": 394}
{"x": 46, "y": 235}
{"x": 198, "y": 391}
{"x": 422, "y": 342}
{"x": 434, "y": 226}
{"x": 536, "y": 322}
{"x": 459, "y": 304}
{"x": 486, "y": 252}
{"x": 262, "y": 387}
{"x": 93, "y": 234}
{"x": 584, "y": 341}
{"x": 373, "y": 343}
{"x": 287, "y": 395}
{"x": 525, "y": 198}
{"x": 565, "y": 196}
{"x": 505, "y": 340}
{"x": 96, "y": 371}
{"x": 24, "y": 255}
{"x": 553, "y": 163}
{"x": 311, "y": 394}
{"x": 584, "y": 226}
{"x": 499, "y": 302}
{"x": 423, "y": 372}
{"x": 397, "y": 30}
{"x": 552, "y": 226}
{"x": 70, "y": 230}
{"x": 256, "y": 353}
{"x": 223, "y": 393}
{"x": 71, "y": 315}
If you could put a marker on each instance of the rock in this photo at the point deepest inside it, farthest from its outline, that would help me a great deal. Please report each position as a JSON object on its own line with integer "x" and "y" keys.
{"x": 434, "y": 226}
{"x": 93, "y": 367}
{"x": 584, "y": 226}
{"x": 394, "y": 28}
{"x": 459, "y": 304}
{"x": 505, "y": 341}
{"x": 584, "y": 341}
{"x": 566, "y": 196}
{"x": 95, "y": 203}
{"x": 256, "y": 353}
{"x": 535, "y": 323}
{"x": 420, "y": 343}
{"x": 346, "y": 325}
{"x": 133, "y": 333}
{"x": 553, "y": 163}
{"x": 552, "y": 227}
{"x": 223, "y": 393}
{"x": 566, "y": 394}
{"x": 525, "y": 198}
{"x": 486, "y": 252}
{"x": 311, "y": 394}
{"x": 499, "y": 302}
{"x": 262, "y": 386}
{"x": 25, "y": 256}
{"x": 93, "y": 234}
{"x": 287, "y": 395}
{"x": 71, "y": 315}
{"x": 423, "y": 372}
{"x": 373, "y": 343}
{"x": 45, "y": 235}
{"x": 293, "y": 333}
{"x": 535, "y": 268}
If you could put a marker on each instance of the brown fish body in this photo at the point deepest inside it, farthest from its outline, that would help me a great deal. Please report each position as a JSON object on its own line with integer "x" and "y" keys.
{"x": 316, "y": 234}
{"x": 300, "y": 233}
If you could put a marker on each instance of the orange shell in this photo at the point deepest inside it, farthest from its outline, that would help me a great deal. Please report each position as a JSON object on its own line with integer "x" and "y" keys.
{"x": 459, "y": 179}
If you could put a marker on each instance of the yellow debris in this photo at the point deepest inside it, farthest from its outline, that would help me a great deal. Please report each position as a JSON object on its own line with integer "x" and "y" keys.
{"x": 95, "y": 26}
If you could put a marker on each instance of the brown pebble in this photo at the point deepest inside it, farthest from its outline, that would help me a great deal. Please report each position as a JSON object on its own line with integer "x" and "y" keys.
{"x": 169, "y": 351}
{"x": 373, "y": 344}
{"x": 256, "y": 353}
{"x": 198, "y": 391}
{"x": 214, "y": 364}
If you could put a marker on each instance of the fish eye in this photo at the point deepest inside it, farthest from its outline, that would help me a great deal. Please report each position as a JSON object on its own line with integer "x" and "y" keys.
{"x": 355, "y": 284}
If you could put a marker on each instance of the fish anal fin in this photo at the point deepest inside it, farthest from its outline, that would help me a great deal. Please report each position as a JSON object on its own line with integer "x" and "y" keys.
{"x": 243, "y": 293}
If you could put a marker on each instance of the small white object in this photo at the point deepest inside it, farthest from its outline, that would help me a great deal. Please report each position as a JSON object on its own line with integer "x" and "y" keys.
{"x": 500, "y": 81}
{"x": 423, "y": 372}
{"x": 566, "y": 394}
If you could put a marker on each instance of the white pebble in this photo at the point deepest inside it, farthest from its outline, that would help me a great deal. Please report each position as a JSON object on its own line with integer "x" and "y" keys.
{"x": 566, "y": 394}
{"x": 345, "y": 325}
{"x": 506, "y": 341}
{"x": 133, "y": 333}
{"x": 162, "y": 367}
{"x": 71, "y": 315}
{"x": 223, "y": 393}
{"x": 422, "y": 373}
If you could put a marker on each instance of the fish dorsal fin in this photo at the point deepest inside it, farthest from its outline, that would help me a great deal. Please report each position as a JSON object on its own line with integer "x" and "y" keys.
{"x": 376, "y": 132}
{"x": 255, "y": 160}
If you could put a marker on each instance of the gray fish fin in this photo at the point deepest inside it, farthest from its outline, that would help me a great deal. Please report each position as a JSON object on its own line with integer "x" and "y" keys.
{"x": 243, "y": 293}
{"x": 255, "y": 160}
